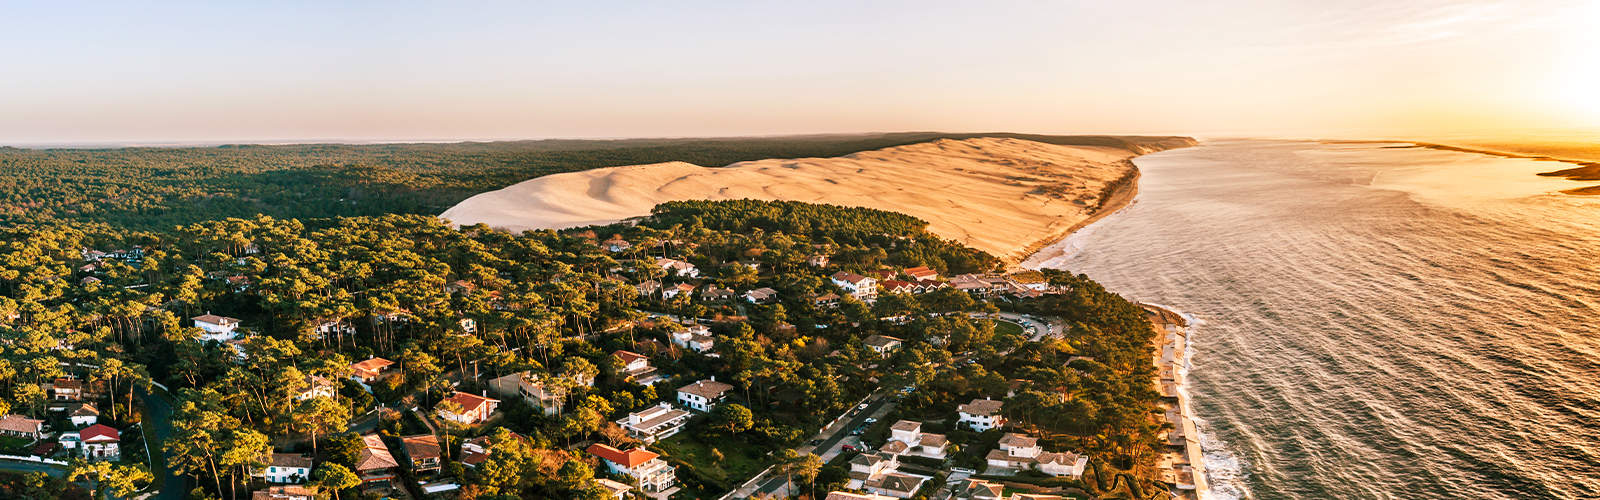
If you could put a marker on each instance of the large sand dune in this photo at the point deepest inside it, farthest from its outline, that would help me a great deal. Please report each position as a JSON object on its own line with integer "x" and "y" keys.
{"x": 1004, "y": 196}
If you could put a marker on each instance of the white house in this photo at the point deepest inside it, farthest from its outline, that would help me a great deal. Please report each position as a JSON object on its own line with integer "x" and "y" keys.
{"x": 20, "y": 426}
{"x": 618, "y": 491}
{"x": 218, "y": 328}
{"x": 678, "y": 268}
{"x": 761, "y": 296}
{"x": 655, "y": 423}
{"x": 896, "y": 485}
{"x": 1020, "y": 451}
{"x": 100, "y": 442}
{"x": 697, "y": 338}
{"x": 332, "y": 326}
{"x": 981, "y": 414}
{"x": 548, "y": 398}
{"x": 83, "y": 414}
{"x": 861, "y": 287}
{"x": 906, "y": 438}
{"x": 652, "y": 473}
{"x": 636, "y": 367}
{"x": 883, "y": 345}
{"x": 703, "y": 395}
{"x": 868, "y": 466}
{"x": 674, "y": 290}
{"x": 286, "y": 468}
{"x": 318, "y": 387}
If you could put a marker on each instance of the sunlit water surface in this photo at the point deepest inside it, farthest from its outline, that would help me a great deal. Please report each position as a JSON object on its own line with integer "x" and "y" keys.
{"x": 1376, "y": 322}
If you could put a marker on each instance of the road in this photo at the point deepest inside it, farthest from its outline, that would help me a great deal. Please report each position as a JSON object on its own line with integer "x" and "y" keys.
{"x": 159, "y": 422}
{"x": 30, "y": 467}
{"x": 839, "y": 431}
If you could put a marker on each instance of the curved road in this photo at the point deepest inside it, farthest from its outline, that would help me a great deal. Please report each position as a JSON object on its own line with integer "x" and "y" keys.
{"x": 159, "y": 422}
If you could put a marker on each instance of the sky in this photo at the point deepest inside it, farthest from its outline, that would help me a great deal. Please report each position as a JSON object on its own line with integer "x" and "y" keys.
{"x": 356, "y": 71}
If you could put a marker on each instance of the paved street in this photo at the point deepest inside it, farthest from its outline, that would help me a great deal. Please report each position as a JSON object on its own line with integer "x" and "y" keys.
{"x": 159, "y": 423}
{"x": 29, "y": 467}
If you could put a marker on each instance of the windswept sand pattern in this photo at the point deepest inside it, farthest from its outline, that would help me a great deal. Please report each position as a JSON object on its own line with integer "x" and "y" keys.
{"x": 1003, "y": 196}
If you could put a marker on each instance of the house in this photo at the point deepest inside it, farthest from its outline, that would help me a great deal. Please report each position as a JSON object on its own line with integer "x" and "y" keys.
{"x": 817, "y": 260}
{"x": 906, "y": 437}
{"x": 882, "y": 345}
{"x": 826, "y": 300}
{"x": 100, "y": 442}
{"x": 714, "y": 294}
{"x": 1016, "y": 451}
{"x": 636, "y": 367}
{"x": 335, "y": 326}
{"x": 648, "y": 288}
{"x": 474, "y": 408}
{"x": 678, "y": 268}
{"x": 896, "y": 286}
{"x": 239, "y": 283}
{"x": 20, "y": 426}
{"x": 703, "y": 395}
{"x": 861, "y": 287}
{"x": 318, "y": 387}
{"x": 218, "y": 328}
{"x": 286, "y": 468}
{"x": 460, "y": 286}
{"x": 376, "y": 466}
{"x": 474, "y": 451}
{"x": 615, "y": 244}
{"x": 895, "y": 484}
{"x": 618, "y": 491}
{"x": 66, "y": 389}
{"x": 652, "y": 473}
{"x": 981, "y": 415}
{"x": 696, "y": 338}
{"x": 761, "y": 296}
{"x": 978, "y": 285}
{"x": 868, "y": 466}
{"x": 977, "y": 489}
{"x": 83, "y": 414}
{"x": 1062, "y": 464}
{"x": 655, "y": 423}
{"x": 1020, "y": 451}
{"x": 930, "y": 285}
{"x": 845, "y": 495}
{"x": 285, "y": 493}
{"x": 88, "y": 280}
{"x": 423, "y": 452}
{"x": 548, "y": 398}
{"x": 370, "y": 371}
{"x": 674, "y": 290}
{"x": 921, "y": 273}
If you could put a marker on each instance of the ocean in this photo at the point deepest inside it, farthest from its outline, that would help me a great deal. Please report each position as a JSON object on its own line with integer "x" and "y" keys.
{"x": 1373, "y": 321}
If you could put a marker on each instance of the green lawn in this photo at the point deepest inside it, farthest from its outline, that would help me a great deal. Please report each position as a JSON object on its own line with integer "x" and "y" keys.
{"x": 15, "y": 444}
{"x": 740, "y": 461}
{"x": 1007, "y": 328}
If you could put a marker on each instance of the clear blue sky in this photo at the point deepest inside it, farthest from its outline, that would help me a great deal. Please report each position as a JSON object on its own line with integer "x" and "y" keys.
{"x": 377, "y": 71}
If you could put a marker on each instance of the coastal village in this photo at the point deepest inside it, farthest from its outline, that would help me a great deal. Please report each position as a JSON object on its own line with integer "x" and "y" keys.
{"x": 428, "y": 442}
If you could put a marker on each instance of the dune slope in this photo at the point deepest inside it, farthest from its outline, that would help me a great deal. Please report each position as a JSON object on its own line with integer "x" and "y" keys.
{"x": 1003, "y": 196}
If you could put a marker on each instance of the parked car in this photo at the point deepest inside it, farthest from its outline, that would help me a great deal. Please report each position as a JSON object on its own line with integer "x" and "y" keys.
{"x": 862, "y": 407}
{"x": 871, "y": 421}
{"x": 847, "y": 448}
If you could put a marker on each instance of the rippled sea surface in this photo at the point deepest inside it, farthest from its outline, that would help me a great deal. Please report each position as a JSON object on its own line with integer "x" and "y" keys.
{"x": 1377, "y": 322}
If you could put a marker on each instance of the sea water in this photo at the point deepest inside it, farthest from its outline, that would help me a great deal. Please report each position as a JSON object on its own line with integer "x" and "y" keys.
{"x": 1374, "y": 321}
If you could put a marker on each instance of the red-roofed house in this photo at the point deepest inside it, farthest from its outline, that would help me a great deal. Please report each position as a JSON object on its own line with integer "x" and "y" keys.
{"x": 370, "y": 371}
{"x": 474, "y": 408}
{"x": 100, "y": 442}
{"x": 648, "y": 468}
{"x": 922, "y": 273}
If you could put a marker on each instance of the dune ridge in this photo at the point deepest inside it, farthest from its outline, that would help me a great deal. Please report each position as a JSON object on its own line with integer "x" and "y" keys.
{"x": 1005, "y": 196}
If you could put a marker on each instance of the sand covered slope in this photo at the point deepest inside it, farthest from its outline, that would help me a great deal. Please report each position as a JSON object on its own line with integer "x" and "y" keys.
{"x": 1004, "y": 196}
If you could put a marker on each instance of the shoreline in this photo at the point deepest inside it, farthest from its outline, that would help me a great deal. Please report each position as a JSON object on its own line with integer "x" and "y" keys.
{"x": 1120, "y": 197}
{"x": 1584, "y": 171}
{"x": 1183, "y": 466}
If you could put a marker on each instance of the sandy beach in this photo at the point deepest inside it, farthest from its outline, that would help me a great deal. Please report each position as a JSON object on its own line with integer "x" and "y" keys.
{"x": 1008, "y": 197}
